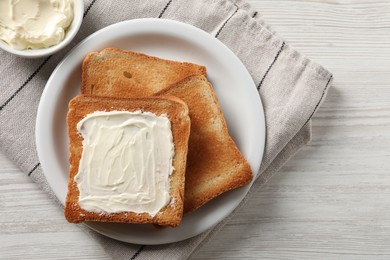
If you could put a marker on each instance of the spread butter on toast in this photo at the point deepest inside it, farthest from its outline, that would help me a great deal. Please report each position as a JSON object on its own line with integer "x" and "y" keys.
{"x": 176, "y": 111}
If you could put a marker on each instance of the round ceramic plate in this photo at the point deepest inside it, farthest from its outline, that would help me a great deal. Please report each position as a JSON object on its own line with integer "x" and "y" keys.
{"x": 167, "y": 39}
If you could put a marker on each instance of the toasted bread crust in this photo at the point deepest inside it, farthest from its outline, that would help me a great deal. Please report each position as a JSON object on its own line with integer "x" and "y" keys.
{"x": 118, "y": 73}
{"x": 177, "y": 112}
{"x": 214, "y": 163}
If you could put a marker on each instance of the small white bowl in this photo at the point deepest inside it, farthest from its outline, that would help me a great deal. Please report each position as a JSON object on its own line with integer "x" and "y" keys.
{"x": 78, "y": 10}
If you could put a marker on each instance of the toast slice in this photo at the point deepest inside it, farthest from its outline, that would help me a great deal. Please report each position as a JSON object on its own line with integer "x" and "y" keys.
{"x": 75, "y": 208}
{"x": 214, "y": 163}
{"x": 119, "y": 73}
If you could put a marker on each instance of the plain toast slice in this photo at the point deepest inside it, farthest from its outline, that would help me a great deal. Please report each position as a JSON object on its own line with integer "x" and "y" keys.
{"x": 114, "y": 72}
{"x": 214, "y": 164}
{"x": 177, "y": 113}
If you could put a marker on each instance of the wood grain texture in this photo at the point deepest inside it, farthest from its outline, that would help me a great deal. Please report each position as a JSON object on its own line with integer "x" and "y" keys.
{"x": 32, "y": 225}
{"x": 331, "y": 201}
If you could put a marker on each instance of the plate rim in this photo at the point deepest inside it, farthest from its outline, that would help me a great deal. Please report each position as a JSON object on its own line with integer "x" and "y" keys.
{"x": 140, "y": 22}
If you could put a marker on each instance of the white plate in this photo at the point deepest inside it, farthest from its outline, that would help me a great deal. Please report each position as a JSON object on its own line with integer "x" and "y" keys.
{"x": 233, "y": 85}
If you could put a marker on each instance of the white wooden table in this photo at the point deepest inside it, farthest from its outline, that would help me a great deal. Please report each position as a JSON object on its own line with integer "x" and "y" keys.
{"x": 331, "y": 201}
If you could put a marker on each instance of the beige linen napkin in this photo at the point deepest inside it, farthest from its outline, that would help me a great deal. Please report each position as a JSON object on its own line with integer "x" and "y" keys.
{"x": 291, "y": 88}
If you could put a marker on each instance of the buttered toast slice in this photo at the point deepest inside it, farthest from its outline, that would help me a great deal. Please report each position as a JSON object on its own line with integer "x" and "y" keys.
{"x": 127, "y": 160}
{"x": 214, "y": 163}
{"x": 119, "y": 73}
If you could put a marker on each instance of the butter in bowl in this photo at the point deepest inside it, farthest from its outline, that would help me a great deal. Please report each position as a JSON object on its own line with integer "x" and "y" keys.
{"x": 38, "y": 28}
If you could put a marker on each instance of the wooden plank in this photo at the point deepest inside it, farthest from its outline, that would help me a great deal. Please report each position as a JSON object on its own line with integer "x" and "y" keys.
{"x": 32, "y": 225}
{"x": 331, "y": 200}
{"x": 328, "y": 202}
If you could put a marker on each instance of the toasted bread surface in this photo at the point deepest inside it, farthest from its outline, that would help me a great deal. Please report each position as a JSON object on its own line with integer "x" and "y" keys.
{"x": 214, "y": 164}
{"x": 120, "y": 73}
{"x": 177, "y": 112}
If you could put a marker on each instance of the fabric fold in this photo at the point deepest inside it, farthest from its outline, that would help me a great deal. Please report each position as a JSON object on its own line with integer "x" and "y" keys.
{"x": 291, "y": 87}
